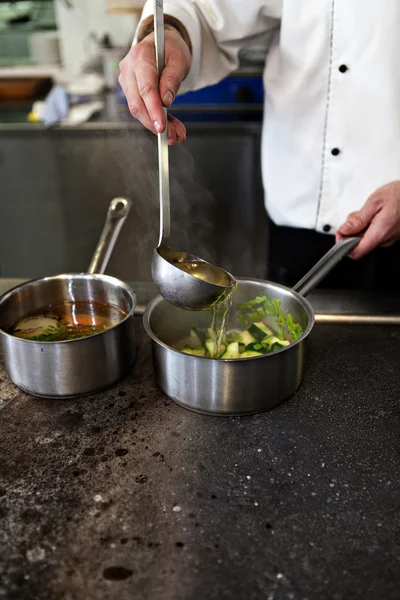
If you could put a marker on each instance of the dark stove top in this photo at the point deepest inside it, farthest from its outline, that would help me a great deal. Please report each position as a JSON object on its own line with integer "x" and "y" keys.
{"x": 126, "y": 495}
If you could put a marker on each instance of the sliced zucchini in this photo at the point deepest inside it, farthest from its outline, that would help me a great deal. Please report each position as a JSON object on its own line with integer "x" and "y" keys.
{"x": 194, "y": 351}
{"x": 255, "y": 347}
{"x": 198, "y": 336}
{"x": 275, "y": 347}
{"x": 221, "y": 349}
{"x": 250, "y": 354}
{"x": 242, "y": 347}
{"x": 232, "y": 351}
{"x": 233, "y": 335}
{"x": 259, "y": 331}
{"x": 211, "y": 333}
{"x": 211, "y": 348}
{"x": 271, "y": 340}
{"x": 246, "y": 338}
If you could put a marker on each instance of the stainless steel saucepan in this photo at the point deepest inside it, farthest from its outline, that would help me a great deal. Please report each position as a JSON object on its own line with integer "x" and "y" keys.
{"x": 80, "y": 366}
{"x": 235, "y": 386}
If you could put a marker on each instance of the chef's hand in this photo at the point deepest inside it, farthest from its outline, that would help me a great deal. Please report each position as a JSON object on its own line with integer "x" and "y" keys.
{"x": 147, "y": 95}
{"x": 379, "y": 219}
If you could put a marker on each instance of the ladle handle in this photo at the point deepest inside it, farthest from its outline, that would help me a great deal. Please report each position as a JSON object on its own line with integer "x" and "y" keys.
{"x": 325, "y": 265}
{"x": 163, "y": 162}
{"x": 118, "y": 211}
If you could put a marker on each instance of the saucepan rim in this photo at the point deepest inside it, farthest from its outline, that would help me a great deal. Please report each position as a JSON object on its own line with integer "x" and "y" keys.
{"x": 106, "y": 278}
{"x": 303, "y": 301}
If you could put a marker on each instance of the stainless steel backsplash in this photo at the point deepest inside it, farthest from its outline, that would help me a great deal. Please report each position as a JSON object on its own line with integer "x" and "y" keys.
{"x": 56, "y": 186}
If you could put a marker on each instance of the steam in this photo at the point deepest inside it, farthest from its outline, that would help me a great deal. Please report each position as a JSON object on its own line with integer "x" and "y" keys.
{"x": 135, "y": 157}
{"x": 227, "y": 232}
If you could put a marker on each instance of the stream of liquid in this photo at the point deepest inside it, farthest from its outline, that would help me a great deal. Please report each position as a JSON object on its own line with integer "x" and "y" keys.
{"x": 203, "y": 271}
{"x": 219, "y": 321}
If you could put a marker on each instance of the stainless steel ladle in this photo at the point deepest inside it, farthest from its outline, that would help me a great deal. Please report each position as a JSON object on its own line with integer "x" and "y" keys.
{"x": 183, "y": 279}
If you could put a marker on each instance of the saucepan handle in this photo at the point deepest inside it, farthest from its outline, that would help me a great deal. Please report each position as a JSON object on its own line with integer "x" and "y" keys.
{"x": 325, "y": 265}
{"x": 116, "y": 215}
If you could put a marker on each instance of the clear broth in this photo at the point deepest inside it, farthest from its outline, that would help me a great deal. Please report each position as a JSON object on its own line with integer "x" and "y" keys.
{"x": 67, "y": 321}
{"x": 204, "y": 271}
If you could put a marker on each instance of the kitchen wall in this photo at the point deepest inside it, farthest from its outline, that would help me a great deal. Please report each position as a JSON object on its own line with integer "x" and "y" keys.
{"x": 69, "y": 176}
{"x": 77, "y": 24}
{"x": 18, "y": 21}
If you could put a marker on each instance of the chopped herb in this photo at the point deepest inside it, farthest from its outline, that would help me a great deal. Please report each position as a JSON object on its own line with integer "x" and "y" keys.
{"x": 261, "y": 308}
{"x": 65, "y": 332}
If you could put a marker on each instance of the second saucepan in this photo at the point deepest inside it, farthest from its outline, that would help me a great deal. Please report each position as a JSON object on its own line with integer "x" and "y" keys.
{"x": 73, "y": 367}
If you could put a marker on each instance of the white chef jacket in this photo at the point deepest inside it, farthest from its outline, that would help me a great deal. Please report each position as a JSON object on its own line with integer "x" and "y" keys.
{"x": 331, "y": 131}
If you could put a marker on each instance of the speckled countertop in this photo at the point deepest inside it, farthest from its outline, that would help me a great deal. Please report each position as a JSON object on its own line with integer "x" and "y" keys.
{"x": 125, "y": 495}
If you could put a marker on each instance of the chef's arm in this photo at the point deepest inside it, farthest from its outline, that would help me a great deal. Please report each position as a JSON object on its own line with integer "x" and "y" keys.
{"x": 202, "y": 44}
{"x": 146, "y": 27}
{"x": 216, "y": 31}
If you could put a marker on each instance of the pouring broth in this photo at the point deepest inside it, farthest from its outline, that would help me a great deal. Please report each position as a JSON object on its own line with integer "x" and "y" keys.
{"x": 67, "y": 321}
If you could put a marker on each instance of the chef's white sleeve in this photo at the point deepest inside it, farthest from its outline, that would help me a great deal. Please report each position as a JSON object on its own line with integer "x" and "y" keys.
{"x": 218, "y": 30}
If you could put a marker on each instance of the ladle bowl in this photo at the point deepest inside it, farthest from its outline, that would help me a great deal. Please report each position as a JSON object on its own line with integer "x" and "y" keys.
{"x": 188, "y": 281}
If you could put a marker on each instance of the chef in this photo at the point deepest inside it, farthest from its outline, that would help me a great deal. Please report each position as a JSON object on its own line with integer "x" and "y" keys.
{"x": 331, "y": 131}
